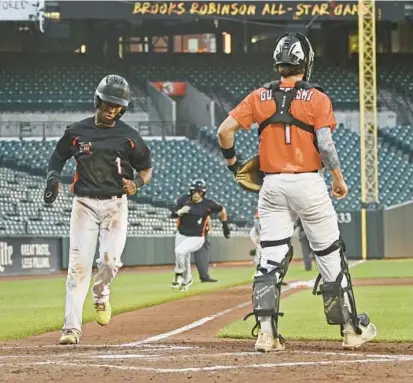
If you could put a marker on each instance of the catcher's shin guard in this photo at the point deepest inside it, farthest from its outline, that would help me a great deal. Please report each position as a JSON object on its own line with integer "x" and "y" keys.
{"x": 267, "y": 290}
{"x": 339, "y": 302}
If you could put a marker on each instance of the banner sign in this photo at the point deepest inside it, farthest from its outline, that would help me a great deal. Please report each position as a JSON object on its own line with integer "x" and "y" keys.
{"x": 13, "y": 10}
{"x": 29, "y": 255}
{"x": 273, "y": 10}
{"x": 171, "y": 88}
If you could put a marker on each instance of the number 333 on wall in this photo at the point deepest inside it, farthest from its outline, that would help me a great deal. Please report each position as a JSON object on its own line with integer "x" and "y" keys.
{"x": 344, "y": 217}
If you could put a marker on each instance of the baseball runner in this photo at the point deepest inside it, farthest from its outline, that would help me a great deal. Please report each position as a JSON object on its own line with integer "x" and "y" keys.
{"x": 107, "y": 151}
{"x": 192, "y": 211}
{"x": 202, "y": 256}
{"x": 296, "y": 121}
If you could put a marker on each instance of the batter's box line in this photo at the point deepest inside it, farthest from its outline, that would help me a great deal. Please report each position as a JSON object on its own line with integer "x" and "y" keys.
{"x": 218, "y": 367}
{"x": 102, "y": 346}
{"x": 361, "y": 354}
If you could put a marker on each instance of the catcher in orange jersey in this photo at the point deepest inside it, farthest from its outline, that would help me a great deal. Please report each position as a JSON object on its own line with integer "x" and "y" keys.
{"x": 296, "y": 121}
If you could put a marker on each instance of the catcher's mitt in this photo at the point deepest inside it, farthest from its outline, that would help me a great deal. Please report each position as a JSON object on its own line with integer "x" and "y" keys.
{"x": 249, "y": 176}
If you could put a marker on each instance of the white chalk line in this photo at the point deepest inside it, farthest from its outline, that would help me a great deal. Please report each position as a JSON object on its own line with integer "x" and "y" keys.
{"x": 209, "y": 355}
{"x": 187, "y": 327}
{"x": 220, "y": 367}
{"x": 103, "y": 346}
{"x": 202, "y": 321}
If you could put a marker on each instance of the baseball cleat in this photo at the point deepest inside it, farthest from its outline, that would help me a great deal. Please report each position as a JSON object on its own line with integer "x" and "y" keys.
{"x": 69, "y": 337}
{"x": 103, "y": 313}
{"x": 266, "y": 343}
{"x": 177, "y": 283}
{"x": 351, "y": 340}
{"x": 185, "y": 286}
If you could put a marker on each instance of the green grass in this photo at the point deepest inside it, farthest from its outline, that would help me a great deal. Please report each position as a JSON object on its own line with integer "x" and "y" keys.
{"x": 389, "y": 308}
{"x": 34, "y": 306}
{"x": 396, "y": 268}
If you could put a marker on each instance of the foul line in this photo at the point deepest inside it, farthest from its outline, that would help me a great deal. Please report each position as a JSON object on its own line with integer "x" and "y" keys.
{"x": 187, "y": 327}
{"x": 220, "y": 367}
{"x": 202, "y": 321}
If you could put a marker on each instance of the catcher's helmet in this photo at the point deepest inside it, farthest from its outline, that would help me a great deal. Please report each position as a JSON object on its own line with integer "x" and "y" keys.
{"x": 198, "y": 185}
{"x": 295, "y": 49}
{"x": 115, "y": 90}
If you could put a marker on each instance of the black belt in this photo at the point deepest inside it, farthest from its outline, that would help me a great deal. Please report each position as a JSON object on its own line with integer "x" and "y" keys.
{"x": 101, "y": 197}
{"x": 310, "y": 171}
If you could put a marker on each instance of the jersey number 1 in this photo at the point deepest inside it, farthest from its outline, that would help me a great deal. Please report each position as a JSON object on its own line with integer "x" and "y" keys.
{"x": 287, "y": 131}
{"x": 118, "y": 164}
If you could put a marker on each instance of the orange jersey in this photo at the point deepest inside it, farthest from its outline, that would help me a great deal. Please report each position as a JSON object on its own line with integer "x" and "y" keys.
{"x": 287, "y": 149}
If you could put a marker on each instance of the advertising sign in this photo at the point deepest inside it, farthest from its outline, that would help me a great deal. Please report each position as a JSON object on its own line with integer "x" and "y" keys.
{"x": 26, "y": 255}
{"x": 23, "y": 10}
{"x": 171, "y": 88}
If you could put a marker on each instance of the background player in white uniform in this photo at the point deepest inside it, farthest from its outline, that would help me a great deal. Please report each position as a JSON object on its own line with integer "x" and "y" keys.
{"x": 255, "y": 238}
{"x": 192, "y": 211}
{"x": 107, "y": 151}
{"x": 291, "y": 113}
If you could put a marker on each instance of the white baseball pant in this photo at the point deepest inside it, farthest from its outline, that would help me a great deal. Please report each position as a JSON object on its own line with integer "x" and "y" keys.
{"x": 90, "y": 218}
{"x": 282, "y": 198}
{"x": 184, "y": 246}
{"x": 255, "y": 238}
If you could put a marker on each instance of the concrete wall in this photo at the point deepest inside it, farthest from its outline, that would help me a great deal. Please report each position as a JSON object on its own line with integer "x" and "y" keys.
{"x": 68, "y": 118}
{"x": 398, "y": 231}
{"x": 196, "y": 108}
{"x": 351, "y": 119}
{"x": 165, "y": 106}
{"x": 52, "y": 124}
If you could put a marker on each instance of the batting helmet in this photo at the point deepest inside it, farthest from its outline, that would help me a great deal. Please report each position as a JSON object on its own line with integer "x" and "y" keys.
{"x": 198, "y": 185}
{"x": 295, "y": 49}
{"x": 115, "y": 90}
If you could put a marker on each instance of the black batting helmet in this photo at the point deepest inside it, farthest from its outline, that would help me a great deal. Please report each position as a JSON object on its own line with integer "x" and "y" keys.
{"x": 295, "y": 49}
{"x": 115, "y": 90}
{"x": 197, "y": 185}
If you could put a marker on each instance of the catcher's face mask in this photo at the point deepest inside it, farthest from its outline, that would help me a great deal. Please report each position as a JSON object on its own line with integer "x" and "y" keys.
{"x": 295, "y": 49}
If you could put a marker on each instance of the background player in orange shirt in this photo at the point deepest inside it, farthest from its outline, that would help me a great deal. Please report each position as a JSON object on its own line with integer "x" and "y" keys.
{"x": 296, "y": 121}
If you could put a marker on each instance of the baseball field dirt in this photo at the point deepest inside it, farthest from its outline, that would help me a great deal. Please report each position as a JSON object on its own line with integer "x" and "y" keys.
{"x": 176, "y": 342}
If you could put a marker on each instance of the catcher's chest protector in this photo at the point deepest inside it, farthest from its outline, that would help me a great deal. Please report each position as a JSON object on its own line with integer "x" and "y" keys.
{"x": 283, "y": 100}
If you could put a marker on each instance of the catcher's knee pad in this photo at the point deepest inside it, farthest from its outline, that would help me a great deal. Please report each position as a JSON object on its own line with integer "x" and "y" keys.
{"x": 339, "y": 302}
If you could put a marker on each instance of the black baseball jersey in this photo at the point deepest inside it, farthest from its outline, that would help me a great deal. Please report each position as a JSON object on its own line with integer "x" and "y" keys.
{"x": 193, "y": 223}
{"x": 100, "y": 153}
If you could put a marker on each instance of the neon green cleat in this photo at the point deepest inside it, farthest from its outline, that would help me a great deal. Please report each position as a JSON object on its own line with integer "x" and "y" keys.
{"x": 103, "y": 313}
{"x": 69, "y": 337}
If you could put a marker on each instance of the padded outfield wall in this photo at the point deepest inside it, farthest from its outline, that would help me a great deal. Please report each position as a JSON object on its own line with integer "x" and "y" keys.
{"x": 389, "y": 236}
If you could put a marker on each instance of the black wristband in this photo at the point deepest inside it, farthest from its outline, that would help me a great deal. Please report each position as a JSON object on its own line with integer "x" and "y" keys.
{"x": 228, "y": 153}
{"x": 139, "y": 181}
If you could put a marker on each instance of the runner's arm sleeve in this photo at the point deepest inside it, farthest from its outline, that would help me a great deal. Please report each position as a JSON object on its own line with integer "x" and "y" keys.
{"x": 61, "y": 153}
{"x": 327, "y": 148}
